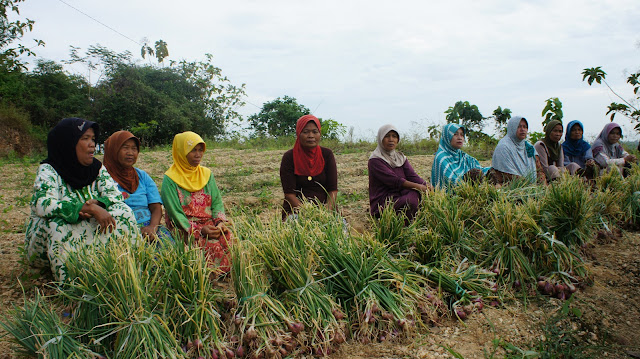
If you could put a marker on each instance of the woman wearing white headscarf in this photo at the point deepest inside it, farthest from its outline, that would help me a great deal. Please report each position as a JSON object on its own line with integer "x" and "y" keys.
{"x": 391, "y": 177}
{"x": 514, "y": 156}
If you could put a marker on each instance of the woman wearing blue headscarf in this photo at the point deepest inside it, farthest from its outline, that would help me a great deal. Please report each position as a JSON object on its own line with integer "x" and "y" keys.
{"x": 514, "y": 157}
{"x": 578, "y": 158}
{"x": 451, "y": 164}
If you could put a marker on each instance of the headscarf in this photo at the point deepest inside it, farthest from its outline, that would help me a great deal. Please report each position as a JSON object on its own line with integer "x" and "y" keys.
{"x": 181, "y": 172}
{"x": 601, "y": 144}
{"x": 574, "y": 147}
{"x": 307, "y": 161}
{"x": 393, "y": 158}
{"x": 513, "y": 155}
{"x": 553, "y": 148}
{"x": 127, "y": 177}
{"x": 61, "y": 152}
{"x": 451, "y": 164}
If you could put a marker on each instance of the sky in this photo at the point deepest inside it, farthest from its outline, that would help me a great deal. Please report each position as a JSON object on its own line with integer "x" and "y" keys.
{"x": 368, "y": 63}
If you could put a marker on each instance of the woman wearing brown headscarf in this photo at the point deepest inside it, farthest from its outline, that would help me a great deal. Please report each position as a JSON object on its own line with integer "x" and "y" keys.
{"x": 138, "y": 189}
{"x": 551, "y": 153}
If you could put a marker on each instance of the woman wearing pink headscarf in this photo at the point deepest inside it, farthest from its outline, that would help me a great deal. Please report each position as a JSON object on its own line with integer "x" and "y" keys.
{"x": 308, "y": 171}
{"x": 607, "y": 149}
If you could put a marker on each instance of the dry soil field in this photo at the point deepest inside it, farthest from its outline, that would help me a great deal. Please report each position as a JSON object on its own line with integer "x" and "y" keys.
{"x": 249, "y": 181}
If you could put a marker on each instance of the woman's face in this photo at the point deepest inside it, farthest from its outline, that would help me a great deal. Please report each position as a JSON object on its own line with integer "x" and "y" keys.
{"x": 128, "y": 154}
{"x": 576, "y": 132}
{"x": 195, "y": 156}
{"x": 614, "y": 135}
{"x": 458, "y": 139}
{"x": 556, "y": 133}
{"x": 309, "y": 136}
{"x": 86, "y": 147}
{"x": 523, "y": 129}
{"x": 390, "y": 141}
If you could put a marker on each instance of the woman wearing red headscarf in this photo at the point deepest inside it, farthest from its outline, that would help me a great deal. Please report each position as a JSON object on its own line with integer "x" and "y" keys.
{"x": 308, "y": 170}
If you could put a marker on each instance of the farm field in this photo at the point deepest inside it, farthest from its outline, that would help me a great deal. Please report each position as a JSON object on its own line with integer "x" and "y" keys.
{"x": 249, "y": 181}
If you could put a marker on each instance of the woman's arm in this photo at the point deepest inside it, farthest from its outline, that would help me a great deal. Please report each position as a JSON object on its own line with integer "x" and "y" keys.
{"x": 47, "y": 202}
{"x": 541, "y": 177}
{"x": 169, "y": 194}
{"x": 288, "y": 180}
{"x": 156, "y": 215}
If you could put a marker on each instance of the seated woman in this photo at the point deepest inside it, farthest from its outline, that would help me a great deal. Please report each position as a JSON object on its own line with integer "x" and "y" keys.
{"x": 75, "y": 203}
{"x": 391, "y": 177}
{"x": 608, "y": 152}
{"x": 578, "y": 158}
{"x": 140, "y": 193}
{"x": 308, "y": 170}
{"x": 551, "y": 153}
{"x": 451, "y": 164}
{"x": 514, "y": 157}
{"x": 193, "y": 202}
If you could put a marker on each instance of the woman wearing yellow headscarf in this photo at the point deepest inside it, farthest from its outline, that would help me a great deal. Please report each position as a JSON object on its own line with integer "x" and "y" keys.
{"x": 192, "y": 201}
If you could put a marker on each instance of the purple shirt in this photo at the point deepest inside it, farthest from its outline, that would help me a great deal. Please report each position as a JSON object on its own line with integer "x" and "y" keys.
{"x": 386, "y": 182}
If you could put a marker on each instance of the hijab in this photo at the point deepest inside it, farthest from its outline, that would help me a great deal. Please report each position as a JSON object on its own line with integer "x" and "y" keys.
{"x": 61, "y": 152}
{"x": 574, "y": 147}
{"x": 393, "y": 158}
{"x": 127, "y": 177}
{"x": 513, "y": 155}
{"x": 601, "y": 144}
{"x": 307, "y": 161}
{"x": 181, "y": 172}
{"x": 450, "y": 164}
{"x": 553, "y": 148}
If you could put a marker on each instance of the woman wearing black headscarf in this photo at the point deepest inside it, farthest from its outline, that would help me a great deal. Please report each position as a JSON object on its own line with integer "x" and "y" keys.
{"x": 75, "y": 202}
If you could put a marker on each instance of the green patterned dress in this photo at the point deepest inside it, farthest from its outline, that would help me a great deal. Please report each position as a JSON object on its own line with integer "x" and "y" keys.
{"x": 54, "y": 228}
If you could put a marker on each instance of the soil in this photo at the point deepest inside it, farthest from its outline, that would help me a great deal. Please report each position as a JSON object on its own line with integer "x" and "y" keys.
{"x": 250, "y": 183}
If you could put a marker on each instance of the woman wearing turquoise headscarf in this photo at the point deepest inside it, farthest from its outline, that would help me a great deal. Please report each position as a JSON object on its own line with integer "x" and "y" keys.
{"x": 578, "y": 157}
{"x": 514, "y": 157}
{"x": 451, "y": 164}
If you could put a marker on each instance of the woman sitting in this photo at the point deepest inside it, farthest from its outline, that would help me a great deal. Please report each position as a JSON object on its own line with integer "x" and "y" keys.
{"x": 451, "y": 164}
{"x": 391, "y": 177}
{"x": 608, "y": 152}
{"x": 514, "y": 157}
{"x": 140, "y": 193}
{"x": 578, "y": 158}
{"x": 308, "y": 170}
{"x": 551, "y": 153}
{"x": 75, "y": 203}
{"x": 193, "y": 202}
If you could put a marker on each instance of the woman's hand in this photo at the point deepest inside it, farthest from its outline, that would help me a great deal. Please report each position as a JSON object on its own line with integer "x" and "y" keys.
{"x": 86, "y": 210}
{"x": 630, "y": 159}
{"x": 106, "y": 222}
{"x": 590, "y": 162}
{"x": 149, "y": 232}
{"x": 211, "y": 232}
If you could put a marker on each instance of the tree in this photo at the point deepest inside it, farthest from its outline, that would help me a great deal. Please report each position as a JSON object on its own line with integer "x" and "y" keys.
{"x": 468, "y": 116}
{"x": 332, "y": 129}
{"x": 160, "y": 51}
{"x": 501, "y": 117}
{"x": 552, "y": 111}
{"x": 630, "y": 108}
{"x": 12, "y": 31}
{"x": 156, "y": 103}
{"x": 278, "y": 117}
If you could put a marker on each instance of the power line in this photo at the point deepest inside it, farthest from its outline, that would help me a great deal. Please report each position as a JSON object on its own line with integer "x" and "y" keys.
{"x": 101, "y": 23}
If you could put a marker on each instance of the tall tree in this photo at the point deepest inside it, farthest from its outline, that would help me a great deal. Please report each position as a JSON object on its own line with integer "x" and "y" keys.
{"x": 278, "y": 117}
{"x": 469, "y": 116}
{"x": 10, "y": 33}
{"x": 630, "y": 108}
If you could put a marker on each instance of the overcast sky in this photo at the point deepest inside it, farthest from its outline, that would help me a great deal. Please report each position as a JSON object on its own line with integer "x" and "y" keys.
{"x": 367, "y": 63}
